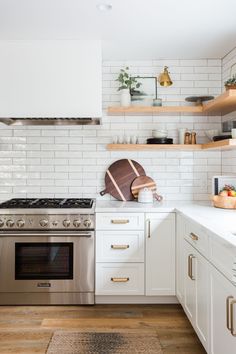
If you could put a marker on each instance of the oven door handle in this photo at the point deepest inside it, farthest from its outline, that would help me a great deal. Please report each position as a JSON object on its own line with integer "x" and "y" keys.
{"x": 46, "y": 234}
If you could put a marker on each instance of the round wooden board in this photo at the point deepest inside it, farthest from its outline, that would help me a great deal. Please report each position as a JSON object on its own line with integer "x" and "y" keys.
{"x": 119, "y": 177}
{"x": 142, "y": 182}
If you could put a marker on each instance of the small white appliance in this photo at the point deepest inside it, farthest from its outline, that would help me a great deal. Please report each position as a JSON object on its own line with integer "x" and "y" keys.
{"x": 218, "y": 183}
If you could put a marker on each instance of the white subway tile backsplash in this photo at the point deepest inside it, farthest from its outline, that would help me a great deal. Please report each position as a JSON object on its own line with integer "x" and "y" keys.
{"x": 71, "y": 161}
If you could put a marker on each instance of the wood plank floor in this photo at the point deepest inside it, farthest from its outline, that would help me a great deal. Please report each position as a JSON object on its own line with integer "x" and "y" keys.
{"x": 28, "y": 329}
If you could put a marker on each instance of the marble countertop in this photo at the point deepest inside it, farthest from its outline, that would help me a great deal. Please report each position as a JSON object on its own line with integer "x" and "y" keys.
{"x": 221, "y": 222}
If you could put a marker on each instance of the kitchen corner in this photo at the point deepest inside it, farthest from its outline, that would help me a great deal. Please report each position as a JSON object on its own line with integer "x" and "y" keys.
{"x": 221, "y": 222}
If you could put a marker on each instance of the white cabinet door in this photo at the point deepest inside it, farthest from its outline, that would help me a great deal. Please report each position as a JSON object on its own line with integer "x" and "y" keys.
{"x": 160, "y": 254}
{"x": 196, "y": 302}
{"x": 222, "y": 340}
{"x": 202, "y": 299}
{"x": 189, "y": 281}
{"x": 180, "y": 258}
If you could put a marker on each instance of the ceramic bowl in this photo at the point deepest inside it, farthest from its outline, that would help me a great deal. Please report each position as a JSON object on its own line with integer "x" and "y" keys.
{"x": 211, "y": 133}
{"x": 159, "y": 133}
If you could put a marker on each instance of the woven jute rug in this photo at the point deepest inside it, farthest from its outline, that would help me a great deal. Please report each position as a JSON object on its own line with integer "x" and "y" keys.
{"x": 104, "y": 343}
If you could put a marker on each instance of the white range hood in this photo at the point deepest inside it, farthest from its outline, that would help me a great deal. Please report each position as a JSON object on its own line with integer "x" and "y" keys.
{"x": 50, "y": 82}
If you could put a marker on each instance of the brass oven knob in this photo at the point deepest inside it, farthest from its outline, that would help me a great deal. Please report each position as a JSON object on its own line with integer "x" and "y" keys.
{"x": 76, "y": 223}
{"x": 10, "y": 223}
{"x": 1, "y": 223}
{"x": 87, "y": 223}
{"x": 20, "y": 223}
{"x": 66, "y": 223}
{"x": 43, "y": 222}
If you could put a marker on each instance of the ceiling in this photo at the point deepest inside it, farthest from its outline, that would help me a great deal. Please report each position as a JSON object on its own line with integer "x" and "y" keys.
{"x": 133, "y": 29}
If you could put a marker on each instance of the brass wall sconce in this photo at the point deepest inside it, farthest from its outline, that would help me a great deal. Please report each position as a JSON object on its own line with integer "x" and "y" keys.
{"x": 164, "y": 78}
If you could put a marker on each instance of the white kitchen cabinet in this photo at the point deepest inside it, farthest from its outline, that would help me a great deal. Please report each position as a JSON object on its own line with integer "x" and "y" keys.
{"x": 222, "y": 295}
{"x": 197, "y": 236}
{"x": 119, "y": 254}
{"x": 196, "y": 296}
{"x": 116, "y": 246}
{"x": 180, "y": 232}
{"x": 119, "y": 221}
{"x": 160, "y": 254}
{"x": 119, "y": 279}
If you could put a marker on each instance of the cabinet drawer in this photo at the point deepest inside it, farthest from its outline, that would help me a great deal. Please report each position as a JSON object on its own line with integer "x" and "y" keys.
{"x": 119, "y": 279}
{"x": 197, "y": 236}
{"x": 120, "y": 221}
{"x": 222, "y": 256}
{"x": 116, "y": 246}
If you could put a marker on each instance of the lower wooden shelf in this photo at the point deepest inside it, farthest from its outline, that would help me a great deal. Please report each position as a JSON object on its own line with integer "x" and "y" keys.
{"x": 227, "y": 144}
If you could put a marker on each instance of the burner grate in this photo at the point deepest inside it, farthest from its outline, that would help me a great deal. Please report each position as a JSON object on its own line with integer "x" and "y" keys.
{"x": 50, "y": 203}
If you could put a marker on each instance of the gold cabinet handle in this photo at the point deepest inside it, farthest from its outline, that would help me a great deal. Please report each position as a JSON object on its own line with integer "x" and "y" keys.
{"x": 228, "y": 322}
{"x": 121, "y": 221}
{"x": 119, "y": 280}
{"x": 233, "y": 330}
{"x": 190, "y": 266}
{"x": 149, "y": 228}
{"x": 119, "y": 247}
{"x": 193, "y": 236}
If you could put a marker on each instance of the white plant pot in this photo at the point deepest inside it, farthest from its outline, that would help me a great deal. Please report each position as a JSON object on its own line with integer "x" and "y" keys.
{"x": 125, "y": 98}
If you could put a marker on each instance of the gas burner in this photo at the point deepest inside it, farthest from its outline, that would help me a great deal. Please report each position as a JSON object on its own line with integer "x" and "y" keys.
{"x": 47, "y": 203}
{"x": 77, "y": 203}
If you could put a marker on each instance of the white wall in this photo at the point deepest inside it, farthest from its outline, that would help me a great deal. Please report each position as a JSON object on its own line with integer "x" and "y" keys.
{"x": 71, "y": 161}
{"x": 228, "y": 157}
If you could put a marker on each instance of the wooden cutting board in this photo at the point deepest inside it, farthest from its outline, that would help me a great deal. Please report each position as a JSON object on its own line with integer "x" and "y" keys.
{"x": 119, "y": 177}
{"x": 144, "y": 182}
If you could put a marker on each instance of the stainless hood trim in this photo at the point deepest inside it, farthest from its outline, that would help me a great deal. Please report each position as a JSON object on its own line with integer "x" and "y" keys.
{"x": 50, "y": 121}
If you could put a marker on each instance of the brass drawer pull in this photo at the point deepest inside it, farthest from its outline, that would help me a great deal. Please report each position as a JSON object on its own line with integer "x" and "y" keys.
{"x": 190, "y": 266}
{"x": 119, "y": 247}
{"x": 193, "y": 236}
{"x": 233, "y": 330}
{"x": 228, "y": 322}
{"x": 124, "y": 221}
{"x": 119, "y": 280}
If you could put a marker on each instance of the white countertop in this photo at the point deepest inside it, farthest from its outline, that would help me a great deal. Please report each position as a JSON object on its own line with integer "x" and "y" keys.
{"x": 221, "y": 222}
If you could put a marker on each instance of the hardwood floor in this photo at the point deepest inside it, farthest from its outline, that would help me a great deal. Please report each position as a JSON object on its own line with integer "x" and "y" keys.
{"x": 28, "y": 329}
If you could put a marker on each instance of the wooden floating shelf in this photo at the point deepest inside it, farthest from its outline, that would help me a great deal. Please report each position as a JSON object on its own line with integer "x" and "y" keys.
{"x": 149, "y": 147}
{"x": 222, "y": 145}
{"x": 155, "y": 110}
{"x": 221, "y": 105}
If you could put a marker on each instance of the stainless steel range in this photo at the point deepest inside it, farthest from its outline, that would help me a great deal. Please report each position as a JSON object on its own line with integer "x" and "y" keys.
{"x": 47, "y": 251}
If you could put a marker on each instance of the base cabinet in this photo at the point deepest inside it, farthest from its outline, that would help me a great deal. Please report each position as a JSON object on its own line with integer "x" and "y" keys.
{"x": 196, "y": 300}
{"x": 160, "y": 254}
{"x": 223, "y": 314}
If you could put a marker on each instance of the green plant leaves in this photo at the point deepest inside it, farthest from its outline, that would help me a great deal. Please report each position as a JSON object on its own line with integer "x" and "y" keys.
{"x": 127, "y": 81}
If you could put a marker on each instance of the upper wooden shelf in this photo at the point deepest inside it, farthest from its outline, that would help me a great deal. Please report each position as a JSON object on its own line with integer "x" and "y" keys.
{"x": 155, "y": 110}
{"x": 221, "y": 105}
{"x": 227, "y": 144}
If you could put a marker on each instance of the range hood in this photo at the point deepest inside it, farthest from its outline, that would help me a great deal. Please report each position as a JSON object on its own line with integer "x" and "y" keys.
{"x": 50, "y": 82}
{"x": 50, "y": 121}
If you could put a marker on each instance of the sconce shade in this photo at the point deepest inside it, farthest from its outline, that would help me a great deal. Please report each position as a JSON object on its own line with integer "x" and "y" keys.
{"x": 164, "y": 78}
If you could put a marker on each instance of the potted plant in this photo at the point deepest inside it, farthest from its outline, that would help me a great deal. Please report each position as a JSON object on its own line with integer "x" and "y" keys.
{"x": 231, "y": 83}
{"x": 127, "y": 83}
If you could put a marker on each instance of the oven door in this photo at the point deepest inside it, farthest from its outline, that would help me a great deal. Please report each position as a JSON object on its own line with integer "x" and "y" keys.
{"x": 47, "y": 262}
